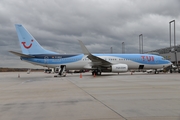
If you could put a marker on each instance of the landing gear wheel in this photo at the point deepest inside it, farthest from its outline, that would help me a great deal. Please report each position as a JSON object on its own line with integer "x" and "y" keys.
{"x": 96, "y": 72}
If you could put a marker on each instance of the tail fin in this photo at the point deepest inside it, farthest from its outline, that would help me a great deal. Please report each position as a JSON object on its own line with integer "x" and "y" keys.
{"x": 28, "y": 43}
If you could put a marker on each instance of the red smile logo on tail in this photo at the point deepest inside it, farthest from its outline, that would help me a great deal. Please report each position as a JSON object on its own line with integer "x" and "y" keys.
{"x": 25, "y": 46}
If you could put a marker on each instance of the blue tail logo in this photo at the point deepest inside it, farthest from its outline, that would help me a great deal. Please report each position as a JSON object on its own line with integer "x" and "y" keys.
{"x": 25, "y": 46}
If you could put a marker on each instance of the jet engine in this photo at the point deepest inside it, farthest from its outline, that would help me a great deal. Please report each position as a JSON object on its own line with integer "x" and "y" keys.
{"x": 119, "y": 68}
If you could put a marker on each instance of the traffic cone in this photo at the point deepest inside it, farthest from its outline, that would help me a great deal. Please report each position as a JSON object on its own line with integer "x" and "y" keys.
{"x": 18, "y": 75}
{"x": 94, "y": 74}
{"x": 131, "y": 73}
{"x": 80, "y": 75}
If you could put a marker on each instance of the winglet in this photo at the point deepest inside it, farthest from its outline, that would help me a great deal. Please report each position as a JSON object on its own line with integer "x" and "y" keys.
{"x": 84, "y": 49}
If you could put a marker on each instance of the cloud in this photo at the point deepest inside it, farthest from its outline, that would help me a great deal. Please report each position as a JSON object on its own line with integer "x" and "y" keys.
{"x": 100, "y": 24}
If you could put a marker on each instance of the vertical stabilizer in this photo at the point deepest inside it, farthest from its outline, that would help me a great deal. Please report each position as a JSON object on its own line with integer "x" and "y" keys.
{"x": 28, "y": 43}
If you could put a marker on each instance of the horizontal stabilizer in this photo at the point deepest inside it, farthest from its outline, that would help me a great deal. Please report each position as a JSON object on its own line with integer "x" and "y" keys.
{"x": 21, "y": 55}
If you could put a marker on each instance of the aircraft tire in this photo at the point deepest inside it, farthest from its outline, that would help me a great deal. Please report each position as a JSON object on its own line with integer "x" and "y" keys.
{"x": 96, "y": 72}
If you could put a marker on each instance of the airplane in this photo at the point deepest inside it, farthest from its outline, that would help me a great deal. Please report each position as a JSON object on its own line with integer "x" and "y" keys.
{"x": 34, "y": 53}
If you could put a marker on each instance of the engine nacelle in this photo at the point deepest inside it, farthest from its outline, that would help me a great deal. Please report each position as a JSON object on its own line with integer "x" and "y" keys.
{"x": 119, "y": 68}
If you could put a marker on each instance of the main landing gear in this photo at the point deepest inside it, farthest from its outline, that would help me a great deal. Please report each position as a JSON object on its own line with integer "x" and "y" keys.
{"x": 96, "y": 72}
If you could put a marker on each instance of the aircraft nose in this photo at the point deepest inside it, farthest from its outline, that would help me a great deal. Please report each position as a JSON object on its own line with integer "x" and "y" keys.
{"x": 170, "y": 63}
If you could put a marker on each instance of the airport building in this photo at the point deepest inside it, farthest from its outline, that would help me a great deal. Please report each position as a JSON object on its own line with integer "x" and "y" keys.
{"x": 172, "y": 54}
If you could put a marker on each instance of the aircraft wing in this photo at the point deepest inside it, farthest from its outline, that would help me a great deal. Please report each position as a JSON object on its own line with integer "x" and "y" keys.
{"x": 95, "y": 60}
{"x": 98, "y": 61}
{"x": 21, "y": 55}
